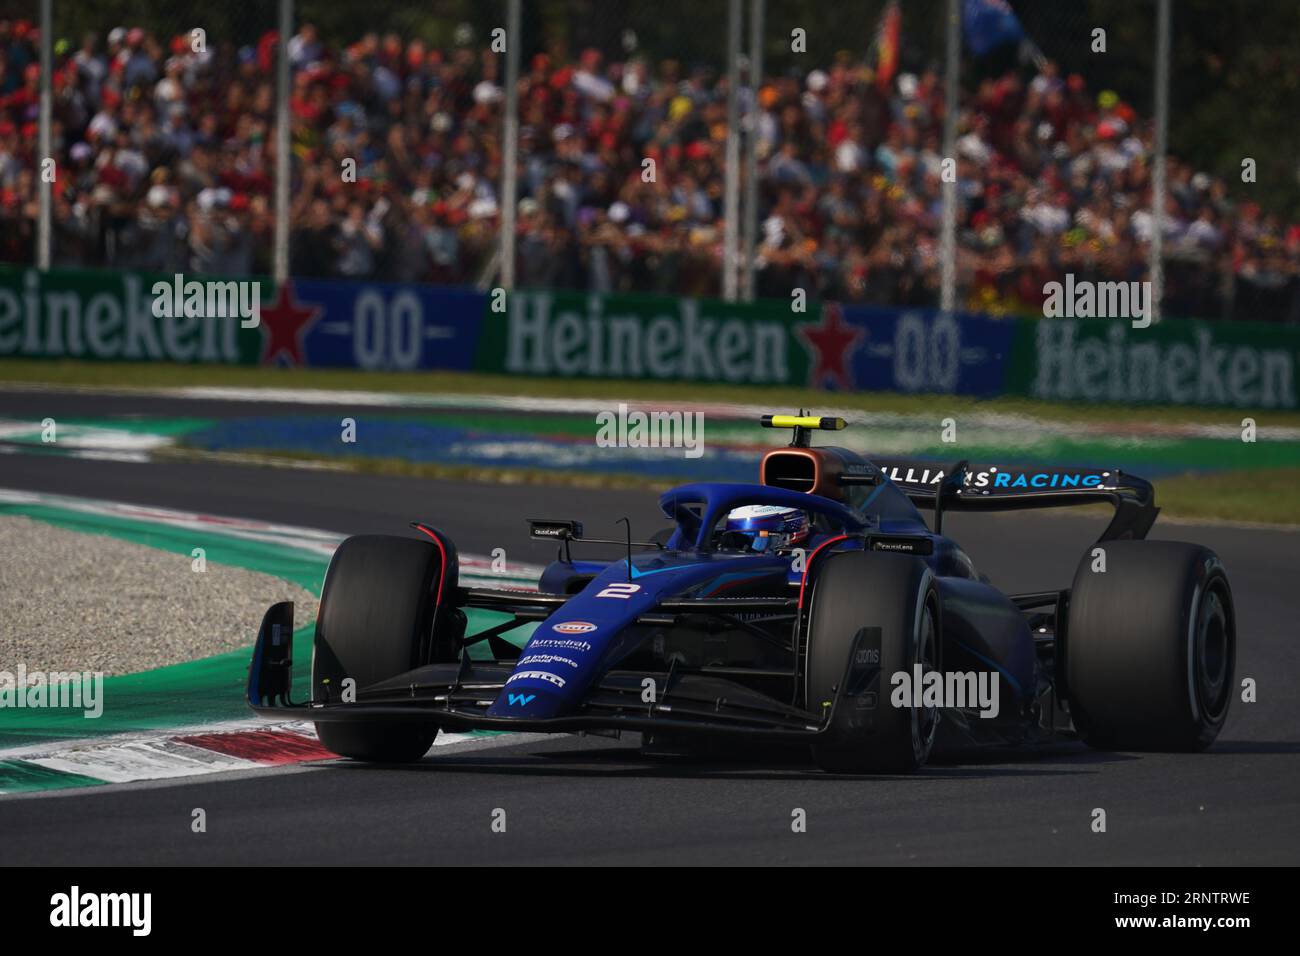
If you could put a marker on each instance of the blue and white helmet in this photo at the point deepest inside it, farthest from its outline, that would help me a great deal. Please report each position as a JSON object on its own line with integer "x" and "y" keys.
{"x": 769, "y": 527}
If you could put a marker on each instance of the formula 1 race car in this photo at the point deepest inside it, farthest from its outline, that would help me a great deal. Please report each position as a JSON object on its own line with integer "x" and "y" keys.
{"x": 813, "y": 608}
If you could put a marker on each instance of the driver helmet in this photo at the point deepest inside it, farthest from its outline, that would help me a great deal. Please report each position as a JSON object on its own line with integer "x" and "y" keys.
{"x": 769, "y": 527}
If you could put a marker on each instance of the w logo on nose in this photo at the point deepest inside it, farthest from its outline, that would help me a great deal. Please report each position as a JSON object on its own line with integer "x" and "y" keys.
{"x": 520, "y": 700}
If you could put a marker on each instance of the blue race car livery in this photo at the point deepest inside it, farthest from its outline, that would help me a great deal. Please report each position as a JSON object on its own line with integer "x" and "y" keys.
{"x": 815, "y": 608}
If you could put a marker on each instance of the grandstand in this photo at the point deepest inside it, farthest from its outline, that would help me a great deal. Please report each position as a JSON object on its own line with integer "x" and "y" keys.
{"x": 167, "y": 160}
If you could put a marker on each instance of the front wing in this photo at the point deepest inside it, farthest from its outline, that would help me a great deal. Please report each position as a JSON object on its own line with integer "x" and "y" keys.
{"x": 456, "y": 696}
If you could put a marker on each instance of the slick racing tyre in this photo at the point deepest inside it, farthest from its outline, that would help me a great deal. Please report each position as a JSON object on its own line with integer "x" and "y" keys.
{"x": 892, "y": 602}
{"x": 376, "y": 616}
{"x": 1150, "y": 647}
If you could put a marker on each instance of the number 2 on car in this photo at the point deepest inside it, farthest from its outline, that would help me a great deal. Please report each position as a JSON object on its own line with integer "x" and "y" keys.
{"x": 623, "y": 591}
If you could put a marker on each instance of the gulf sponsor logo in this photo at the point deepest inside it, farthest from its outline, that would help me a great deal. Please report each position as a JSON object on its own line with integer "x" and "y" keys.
{"x": 573, "y": 627}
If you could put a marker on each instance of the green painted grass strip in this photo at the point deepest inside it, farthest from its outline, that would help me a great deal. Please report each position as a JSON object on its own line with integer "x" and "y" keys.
{"x": 17, "y": 776}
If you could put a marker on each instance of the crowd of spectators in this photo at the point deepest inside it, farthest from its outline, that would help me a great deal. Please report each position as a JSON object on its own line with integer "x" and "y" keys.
{"x": 165, "y": 159}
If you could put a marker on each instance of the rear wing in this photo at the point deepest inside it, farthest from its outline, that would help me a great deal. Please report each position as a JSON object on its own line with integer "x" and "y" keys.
{"x": 1014, "y": 487}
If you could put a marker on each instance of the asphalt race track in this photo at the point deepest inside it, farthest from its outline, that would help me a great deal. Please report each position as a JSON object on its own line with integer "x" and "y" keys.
{"x": 585, "y": 800}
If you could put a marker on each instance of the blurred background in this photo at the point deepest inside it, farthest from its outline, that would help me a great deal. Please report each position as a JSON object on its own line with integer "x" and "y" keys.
{"x": 516, "y": 213}
{"x": 168, "y": 155}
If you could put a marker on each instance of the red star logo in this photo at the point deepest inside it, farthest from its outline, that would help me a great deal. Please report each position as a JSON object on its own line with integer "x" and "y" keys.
{"x": 831, "y": 342}
{"x": 285, "y": 322}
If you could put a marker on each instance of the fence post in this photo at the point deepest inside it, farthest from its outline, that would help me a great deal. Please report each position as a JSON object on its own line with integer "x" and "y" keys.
{"x": 731, "y": 190}
{"x": 510, "y": 145}
{"x": 749, "y": 237}
{"x": 282, "y": 165}
{"x": 1156, "y": 265}
{"x": 44, "y": 224}
{"x": 952, "y": 106}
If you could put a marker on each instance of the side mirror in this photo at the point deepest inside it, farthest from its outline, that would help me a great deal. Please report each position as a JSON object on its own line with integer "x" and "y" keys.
{"x": 556, "y": 529}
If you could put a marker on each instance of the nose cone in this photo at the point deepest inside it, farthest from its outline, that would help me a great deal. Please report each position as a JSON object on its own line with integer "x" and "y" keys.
{"x": 524, "y": 699}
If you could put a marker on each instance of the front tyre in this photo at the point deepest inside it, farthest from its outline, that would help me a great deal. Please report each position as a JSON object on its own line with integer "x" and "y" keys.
{"x": 1150, "y": 647}
{"x": 376, "y": 615}
{"x": 859, "y": 591}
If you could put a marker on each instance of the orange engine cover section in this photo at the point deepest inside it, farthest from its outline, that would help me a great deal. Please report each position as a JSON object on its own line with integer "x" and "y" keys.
{"x": 812, "y": 470}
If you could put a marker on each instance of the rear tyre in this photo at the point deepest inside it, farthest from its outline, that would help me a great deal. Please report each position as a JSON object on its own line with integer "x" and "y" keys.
{"x": 1150, "y": 647}
{"x": 375, "y": 622}
{"x": 854, "y": 591}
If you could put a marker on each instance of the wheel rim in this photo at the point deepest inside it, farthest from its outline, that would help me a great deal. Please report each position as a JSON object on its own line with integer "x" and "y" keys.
{"x": 1212, "y": 654}
{"x": 925, "y": 720}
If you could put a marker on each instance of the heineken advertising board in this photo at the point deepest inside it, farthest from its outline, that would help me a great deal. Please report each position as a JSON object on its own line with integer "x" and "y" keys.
{"x": 567, "y": 334}
{"x": 127, "y": 316}
{"x": 1172, "y": 362}
{"x": 110, "y": 316}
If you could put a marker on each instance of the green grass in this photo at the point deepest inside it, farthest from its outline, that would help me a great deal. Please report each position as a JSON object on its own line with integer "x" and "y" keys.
{"x": 1267, "y": 496}
{"x": 146, "y": 375}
